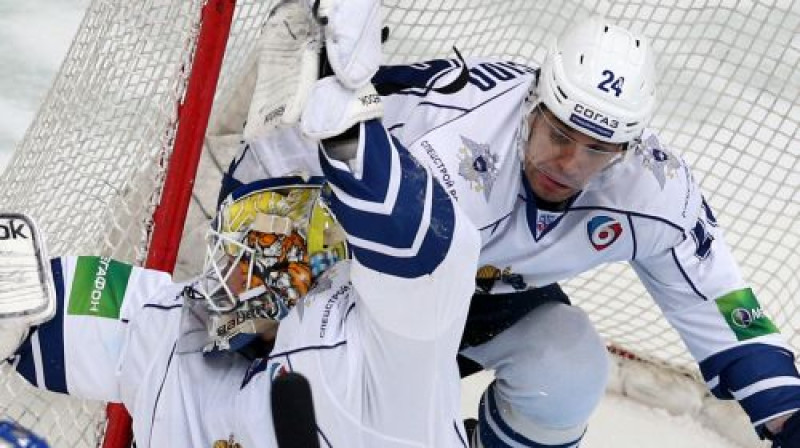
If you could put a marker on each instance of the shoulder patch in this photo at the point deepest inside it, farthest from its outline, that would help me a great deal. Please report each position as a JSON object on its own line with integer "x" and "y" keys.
{"x": 744, "y": 315}
{"x": 98, "y": 287}
{"x": 658, "y": 160}
{"x": 478, "y": 165}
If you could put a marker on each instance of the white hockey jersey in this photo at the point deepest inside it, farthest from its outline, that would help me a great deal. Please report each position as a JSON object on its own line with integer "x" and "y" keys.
{"x": 463, "y": 121}
{"x": 376, "y": 336}
{"x": 646, "y": 210}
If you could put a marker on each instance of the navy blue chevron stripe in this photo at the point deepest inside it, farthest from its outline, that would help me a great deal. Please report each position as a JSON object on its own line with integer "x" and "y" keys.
{"x": 51, "y": 343}
{"x": 377, "y": 166}
{"x": 733, "y": 375}
{"x": 772, "y": 401}
{"x": 393, "y": 230}
{"x": 400, "y": 226}
{"x": 417, "y": 75}
{"x": 433, "y": 250}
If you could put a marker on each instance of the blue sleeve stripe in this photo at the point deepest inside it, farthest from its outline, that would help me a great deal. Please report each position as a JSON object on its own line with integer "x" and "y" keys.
{"x": 42, "y": 356}
{"x": 400, "y": 233}
{"x": 770, "y": 402}
{"x": 761, "y": 377}
{"x": 421, "y": 74}
{"x": 394, "y": 226}
{"x": 374, "y": 188}
{"x": 761, "y": 386}
{"x": 777, "y": 359}
{"x": 435, "y": 245}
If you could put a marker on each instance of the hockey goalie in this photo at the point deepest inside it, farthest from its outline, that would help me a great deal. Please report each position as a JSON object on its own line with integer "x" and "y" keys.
{"x": 353, "y": 281}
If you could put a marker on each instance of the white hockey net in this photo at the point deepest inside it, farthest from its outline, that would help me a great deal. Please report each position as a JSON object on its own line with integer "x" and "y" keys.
{"x": 90, "y": 166}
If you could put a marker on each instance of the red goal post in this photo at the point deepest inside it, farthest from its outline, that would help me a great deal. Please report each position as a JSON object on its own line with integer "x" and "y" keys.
{"x": 93, "y": 165}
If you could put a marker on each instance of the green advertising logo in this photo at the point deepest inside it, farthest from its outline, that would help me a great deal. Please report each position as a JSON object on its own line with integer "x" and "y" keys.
{"x": 98, "y": 287}
{"x": 744, "y": 315}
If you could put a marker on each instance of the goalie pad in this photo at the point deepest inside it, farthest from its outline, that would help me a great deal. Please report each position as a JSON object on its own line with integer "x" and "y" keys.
{"x": 352, "y": 38}
{"x": 27, "y": 295}
{"x": 333, "y": 108}
{"x": 288, "y": 66}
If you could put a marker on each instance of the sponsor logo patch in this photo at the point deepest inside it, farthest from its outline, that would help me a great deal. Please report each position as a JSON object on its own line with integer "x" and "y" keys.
{"x": 658, "y": 160}
{"x": 590, "y": 126}
{"x": 445, "y": 179}
{"x": 478, "y": 165}
{"x": 744, "y": 315}
{"x": 603, "y": 231}
{"x": 98, "y": 287}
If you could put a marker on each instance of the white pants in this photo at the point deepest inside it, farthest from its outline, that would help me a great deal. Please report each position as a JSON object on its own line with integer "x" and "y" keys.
{"x": 551, "y": 369}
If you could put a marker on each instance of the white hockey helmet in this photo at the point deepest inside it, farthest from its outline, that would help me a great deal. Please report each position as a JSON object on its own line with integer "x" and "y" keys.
{"x": 268, "y": 243}
{"x": 599, "y": 79}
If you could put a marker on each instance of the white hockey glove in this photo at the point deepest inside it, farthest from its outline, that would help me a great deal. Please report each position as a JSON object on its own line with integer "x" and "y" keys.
{"x": 288, "y": 65}
{"x": 333, "y": 108}
{"x": 27, "y": 295}
{"x": 352, "y": 30}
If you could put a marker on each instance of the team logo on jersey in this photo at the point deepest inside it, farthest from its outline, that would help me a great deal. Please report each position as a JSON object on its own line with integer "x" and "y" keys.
{"x": 230, "y": 443}
{"x": 488, "y": 275}
{"x": 658, "y": 160}
{"x": 544, "y": 220}
{"x": 478, "y": 166}
{"x": 603, "y": 231}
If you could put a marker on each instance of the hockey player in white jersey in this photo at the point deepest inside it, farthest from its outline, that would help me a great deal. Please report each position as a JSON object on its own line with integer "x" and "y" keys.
{"x": 557, "y": 168}
{"x": 376, "y": 334}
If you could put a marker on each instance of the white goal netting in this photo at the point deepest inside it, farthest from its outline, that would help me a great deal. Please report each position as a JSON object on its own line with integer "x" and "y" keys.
{"x": 90, "y": 166}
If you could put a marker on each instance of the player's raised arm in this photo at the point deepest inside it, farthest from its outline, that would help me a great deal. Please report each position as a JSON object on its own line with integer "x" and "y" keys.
{"x": 63, "y": 320}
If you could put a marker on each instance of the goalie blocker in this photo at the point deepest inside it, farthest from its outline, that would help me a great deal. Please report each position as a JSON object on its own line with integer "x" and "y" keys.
{"x": 27, "y": 294}
{"x": 294, "y": 39}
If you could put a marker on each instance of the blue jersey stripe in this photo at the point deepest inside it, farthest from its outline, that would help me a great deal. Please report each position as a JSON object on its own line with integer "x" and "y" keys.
{"x": 771, "y": 402}
{"x": 763, "y": 361}
{"x": 373, "y": 186}
{"x": 434, "y": 248}
{"x": 51, "y": 343}
{"x": 420, "y": 75}
{"x": 397, "y": 229}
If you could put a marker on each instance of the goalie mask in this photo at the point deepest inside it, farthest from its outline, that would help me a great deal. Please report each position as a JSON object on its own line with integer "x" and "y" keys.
{"x": 269, "y": 242}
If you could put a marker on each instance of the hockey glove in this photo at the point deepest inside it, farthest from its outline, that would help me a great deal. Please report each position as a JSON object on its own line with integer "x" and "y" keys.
{"x": 789, "y": 437}
{"x": 333, "y": 109}
{"x": 27, "y": 294}
{"x": 352, "y": 30}
{"x": 288, "y": 65}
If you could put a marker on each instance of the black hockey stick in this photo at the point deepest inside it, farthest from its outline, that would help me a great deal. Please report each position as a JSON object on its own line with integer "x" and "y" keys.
{"x": 293, "y": 412}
